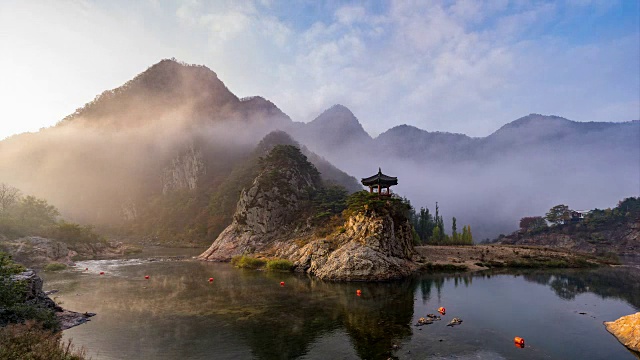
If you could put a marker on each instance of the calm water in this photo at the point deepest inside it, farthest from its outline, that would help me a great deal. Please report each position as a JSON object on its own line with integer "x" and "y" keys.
{"x": 243, "y": 314}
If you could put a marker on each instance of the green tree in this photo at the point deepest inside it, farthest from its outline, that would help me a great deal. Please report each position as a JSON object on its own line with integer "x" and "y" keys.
{"x": 8, "y": 197}
{"x": 436, "y": 235}
{"x": 35, "y": 214}
{"x": 454, "y": 230}
{"x": 558, "y": 214}
{"x": 467, "y": 237}
{"x": 532, "y": 223}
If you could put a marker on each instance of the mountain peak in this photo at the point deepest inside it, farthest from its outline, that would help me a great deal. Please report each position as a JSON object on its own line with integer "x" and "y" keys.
{"x": 339, "y": 117}
{"x": 160, "y": 89}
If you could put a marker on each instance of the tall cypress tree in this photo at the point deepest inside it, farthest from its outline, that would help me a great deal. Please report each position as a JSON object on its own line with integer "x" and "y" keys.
{"x": 454, "y": 230}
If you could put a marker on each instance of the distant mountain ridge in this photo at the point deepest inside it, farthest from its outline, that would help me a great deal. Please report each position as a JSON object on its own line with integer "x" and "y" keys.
{"x": 113, "y": 151}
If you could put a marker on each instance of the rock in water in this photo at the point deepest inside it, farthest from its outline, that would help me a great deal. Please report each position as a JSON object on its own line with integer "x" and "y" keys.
{"x": 269, "y": 208}
{"x": 35, "y": 296}
{"x": 274, "y": 219}
{"x": 373, "y": 247}
{"x": 627, "y": 330}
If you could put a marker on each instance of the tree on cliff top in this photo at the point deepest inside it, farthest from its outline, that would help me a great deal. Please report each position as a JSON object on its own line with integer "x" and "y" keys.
{"x": 558, "y": 214}
{"x": 532, "y": 222}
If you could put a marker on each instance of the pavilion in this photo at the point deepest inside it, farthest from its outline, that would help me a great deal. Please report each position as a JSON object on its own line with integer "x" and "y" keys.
{"x": 380, "y": 182}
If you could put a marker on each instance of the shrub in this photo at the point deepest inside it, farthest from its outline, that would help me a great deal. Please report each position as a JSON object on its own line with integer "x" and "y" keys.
{"x": 32, "y": 341}
{"x": 279, "y": 265}
{"x": 75, "y": 234}
{"x": 444, "y": 267}
{"x": 8, "y": 267}
{"x": 13, "y": 308}
{"x": 54, "y": 266}
{"x": 247, "y": 262}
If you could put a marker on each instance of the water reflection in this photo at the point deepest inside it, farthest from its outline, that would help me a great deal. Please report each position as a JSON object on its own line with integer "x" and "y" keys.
{"x": 177, "y": 313}
{"x": 617, "y": 283}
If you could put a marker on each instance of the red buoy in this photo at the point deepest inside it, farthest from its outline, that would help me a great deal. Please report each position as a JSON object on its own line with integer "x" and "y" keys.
{"x": 281, "y": 283}
{"x": 101, "y": 272}
{"x": 519, "y": 341}
{"x": 358, "y": 292}
{"x": 210, "y": 279}
{"x": 442, "y": 310}
{"x": 146, "y": 277}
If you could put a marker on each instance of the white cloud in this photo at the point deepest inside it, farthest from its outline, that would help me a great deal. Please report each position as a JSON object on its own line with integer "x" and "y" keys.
{"x": 462, "y": 66}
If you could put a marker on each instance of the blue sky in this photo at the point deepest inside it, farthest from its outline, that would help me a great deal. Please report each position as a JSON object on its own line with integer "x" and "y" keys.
{"x": 457, "y": 66}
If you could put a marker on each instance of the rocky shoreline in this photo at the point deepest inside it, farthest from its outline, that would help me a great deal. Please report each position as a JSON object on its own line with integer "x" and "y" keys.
{"x": 627, "y": 330}
{"x": 37, "y": 252}
{"x": 36, "y": 296}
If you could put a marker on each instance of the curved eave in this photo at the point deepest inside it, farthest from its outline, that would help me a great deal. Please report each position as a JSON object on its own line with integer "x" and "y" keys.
{"x": 382, "y": 182}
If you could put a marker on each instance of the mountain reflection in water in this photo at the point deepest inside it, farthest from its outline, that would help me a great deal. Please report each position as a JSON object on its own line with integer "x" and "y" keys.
{"x": 177, "y": 313}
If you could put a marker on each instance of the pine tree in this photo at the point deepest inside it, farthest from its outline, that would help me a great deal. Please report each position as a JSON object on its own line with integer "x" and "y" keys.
{"x": 454, "y": 230}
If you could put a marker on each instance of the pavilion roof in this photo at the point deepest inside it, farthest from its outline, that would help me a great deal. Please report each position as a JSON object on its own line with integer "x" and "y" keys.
{"x": 380, "y": 179}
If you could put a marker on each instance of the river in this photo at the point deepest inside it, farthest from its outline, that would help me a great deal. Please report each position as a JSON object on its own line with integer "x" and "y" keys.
{"x": 244, "y": 314}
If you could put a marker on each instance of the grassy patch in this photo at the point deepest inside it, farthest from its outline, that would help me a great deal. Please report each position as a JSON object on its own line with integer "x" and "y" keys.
{"x": 54, "y": 266}
{"x": 279, "y": 265}
{"x": 32, "y": 341}
{"x": 444, "y": 267}
{"x": 552, "y": 263}
{"x": 247, "y": 262}
{"x": 132, "y": 249}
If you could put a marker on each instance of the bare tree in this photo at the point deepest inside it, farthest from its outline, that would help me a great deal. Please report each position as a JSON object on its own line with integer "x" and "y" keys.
{"x": 8, "y": 196}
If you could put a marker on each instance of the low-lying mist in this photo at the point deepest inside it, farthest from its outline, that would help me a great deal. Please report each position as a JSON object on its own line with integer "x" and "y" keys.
{"x": 492, "y": 195}
{"x": 176, "y": 127}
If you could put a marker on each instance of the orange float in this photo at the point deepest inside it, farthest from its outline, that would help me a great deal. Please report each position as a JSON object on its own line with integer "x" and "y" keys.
{"x": 210, "y": 279}
{"x": 519, "y": 341}
{"x": 442, "y": 310}
{"x": 281, "y": 283}
{"x": 358, "y": 292}
{"x": 146, "y": 277}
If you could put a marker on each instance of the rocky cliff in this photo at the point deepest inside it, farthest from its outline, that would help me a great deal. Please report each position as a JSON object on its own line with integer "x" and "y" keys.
{"x": 184, "y": 171}
{"x": 277, "y": 217}
{"x": 271, "y": 207}
{"x": 601, "y": 232}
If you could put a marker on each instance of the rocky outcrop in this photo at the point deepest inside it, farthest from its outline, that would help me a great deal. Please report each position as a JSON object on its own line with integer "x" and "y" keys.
{"x": 371, "y": 248}
{"x": 36, "y": 297}
{"x": 36, "y": 251}
{"x": 34, "y": 294}
{"x": 269, "y": 209}
{"x": 184, "y": 171}
{"x": 274, "y": 218}
{"x": 622, "y": 238}
{"x": 627, "y": 330}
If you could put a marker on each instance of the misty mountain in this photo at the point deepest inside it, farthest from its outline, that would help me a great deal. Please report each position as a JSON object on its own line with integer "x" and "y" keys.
{"x": 405, "y": 141}
{"x": 524, "y": 168}
{"x": 177, "y": 132}
{"x": 151, "y": 154}
{"x": 335, "y": 128}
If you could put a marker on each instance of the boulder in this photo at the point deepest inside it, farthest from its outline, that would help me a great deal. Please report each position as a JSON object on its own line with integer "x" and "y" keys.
{"x": 627, "y": 330}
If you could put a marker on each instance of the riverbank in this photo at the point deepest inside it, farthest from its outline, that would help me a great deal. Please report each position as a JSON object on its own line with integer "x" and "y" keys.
{"x": 483, "y": 257}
